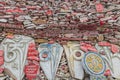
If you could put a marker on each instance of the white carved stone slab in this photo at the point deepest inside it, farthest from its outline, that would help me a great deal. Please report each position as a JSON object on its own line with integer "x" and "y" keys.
{"x": 74, "y": 62}
{"x": 116, "y": 64}
{"x": 15, "y": 53}
{"x": 112, "y": 60}
{"x": 50, "y": 55}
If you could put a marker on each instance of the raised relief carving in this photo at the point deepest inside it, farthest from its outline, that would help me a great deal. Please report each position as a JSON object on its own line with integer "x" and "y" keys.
{"x": 15, "y": 53}
{"x": 110, "y": 53}
{"x": 50, "y": 55}
{"x": 94, "y": 65}
{"x": 92, "y": 62}
{"x": 74, "y": 57}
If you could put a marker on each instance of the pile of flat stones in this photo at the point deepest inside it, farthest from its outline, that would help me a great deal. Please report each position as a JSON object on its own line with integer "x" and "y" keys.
{"x": 39, "y": 14}
{"x": 61, "y": 20}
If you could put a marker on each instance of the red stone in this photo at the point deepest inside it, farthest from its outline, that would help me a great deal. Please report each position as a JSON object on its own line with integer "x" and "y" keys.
{"x": 1, "y": 52}
{"x": 33, "y": 58}
{"x": 84, "y": 48}
{"x": 102, "y": 22}
{"x": 114, "y": 48}
{"x": 1, "y": 70}
{"x": 107, "y": 73}
{"x": 1, "y": 61}
{"x": 99, "y": 7}
{"x": 31, "y": 71}
{"x": 104, "y": 44}
{"x": 32, "y": 45}
{"x": 92, "y": 49}
{"x": 49, "y": 12}
{"x": 32, "y": 53}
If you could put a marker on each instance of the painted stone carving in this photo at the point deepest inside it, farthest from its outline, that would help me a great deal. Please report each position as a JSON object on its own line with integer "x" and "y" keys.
{"x": 1, "y": 63}
{"x": 31, "y": 71}
{"x": 32, "y": 68}
{"x": 74, "y": 56}
{"x": 98, "y": 78}
{"x": 50, "y": 55}
{"x": 110, "y": 53}
{"x": 15, "y": 53}
{"x": 1, "y": 57}
{"x": 94, "y": 65}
